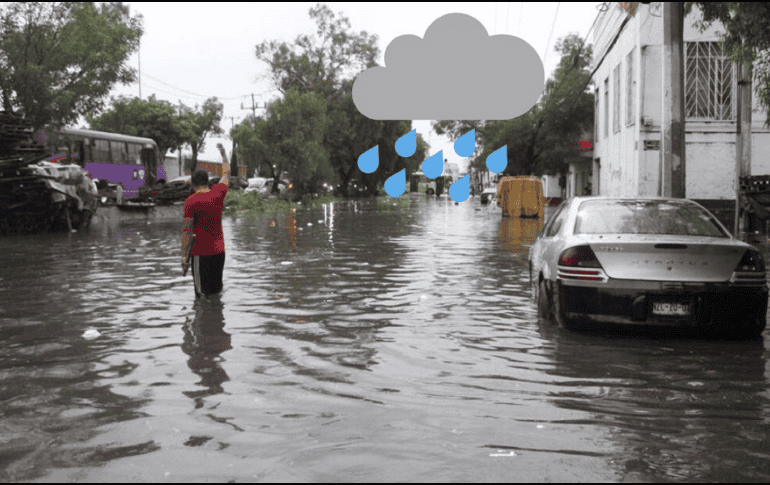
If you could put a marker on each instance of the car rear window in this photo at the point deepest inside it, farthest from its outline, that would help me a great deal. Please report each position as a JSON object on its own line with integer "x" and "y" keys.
{"x": 645, "y": 217}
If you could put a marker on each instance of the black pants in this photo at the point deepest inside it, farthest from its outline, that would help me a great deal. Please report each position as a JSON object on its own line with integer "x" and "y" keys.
{"x": 207, "y": 274}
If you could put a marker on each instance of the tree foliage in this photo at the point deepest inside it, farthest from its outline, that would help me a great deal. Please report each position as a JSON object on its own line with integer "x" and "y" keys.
{"x": 746, "y": 40}
{"x": 327, "y": 66}
{"x": 60, "y": 60}
{"x": 543, "y": 139}
{"x": 200, "y": 123}
{"x": 148, "y": 118}
{"x": 295, "y": 130}
{"x": 323, "y": 67}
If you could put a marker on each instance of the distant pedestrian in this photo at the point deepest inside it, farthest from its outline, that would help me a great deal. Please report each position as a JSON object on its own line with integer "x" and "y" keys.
{"x": 203, "y": 218}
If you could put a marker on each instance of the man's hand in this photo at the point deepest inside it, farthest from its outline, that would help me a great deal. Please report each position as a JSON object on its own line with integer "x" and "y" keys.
{"x": 185, "y": 266}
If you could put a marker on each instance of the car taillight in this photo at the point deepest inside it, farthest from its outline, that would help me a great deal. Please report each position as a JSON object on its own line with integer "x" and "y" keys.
{"x": 751, "y": 261}
{"x": 581, "y": 256}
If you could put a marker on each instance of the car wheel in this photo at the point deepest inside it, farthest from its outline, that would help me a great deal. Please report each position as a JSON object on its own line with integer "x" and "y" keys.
{"x": 559, "y": 315}
{"x": 543, "y": 305}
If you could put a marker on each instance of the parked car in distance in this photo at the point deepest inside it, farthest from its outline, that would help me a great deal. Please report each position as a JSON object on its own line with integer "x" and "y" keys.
{"x": 265, "y": 185}
{"x": 653, "y": 261}
{"x": 256, "y": 184}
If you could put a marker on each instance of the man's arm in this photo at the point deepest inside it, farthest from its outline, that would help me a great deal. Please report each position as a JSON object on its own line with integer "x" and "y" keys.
{"x": 225, "y": 173}
{"x": 187, "y": 233}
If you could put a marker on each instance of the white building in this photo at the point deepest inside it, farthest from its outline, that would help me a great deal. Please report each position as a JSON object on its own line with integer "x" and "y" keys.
{"x": 628, "y": 50}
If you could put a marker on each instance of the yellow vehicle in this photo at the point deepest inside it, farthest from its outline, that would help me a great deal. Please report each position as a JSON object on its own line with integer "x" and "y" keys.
{"x": 520, "y": 196}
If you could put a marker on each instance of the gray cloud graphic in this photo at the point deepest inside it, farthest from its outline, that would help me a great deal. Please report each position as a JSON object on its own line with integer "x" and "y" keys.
{"x": 456, "y": 72}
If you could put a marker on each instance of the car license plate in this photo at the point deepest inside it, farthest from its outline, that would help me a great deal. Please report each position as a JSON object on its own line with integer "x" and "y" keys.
{"x": 671, "y": 309}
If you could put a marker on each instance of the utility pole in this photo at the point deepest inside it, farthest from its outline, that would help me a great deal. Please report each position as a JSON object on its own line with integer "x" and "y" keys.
{"x": 672, "y": 136}
{"x": 743, "y": 144}
{"x": 140, "y": 69}
{"x": 253, "y": 108}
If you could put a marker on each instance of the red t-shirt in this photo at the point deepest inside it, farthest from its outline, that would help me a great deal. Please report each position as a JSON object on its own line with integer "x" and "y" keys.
{"x": 206, "y": 208}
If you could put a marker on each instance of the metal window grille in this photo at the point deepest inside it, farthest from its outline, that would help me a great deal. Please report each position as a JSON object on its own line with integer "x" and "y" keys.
{"x": 708, "y": 83}
{"x": 630, "y": 91}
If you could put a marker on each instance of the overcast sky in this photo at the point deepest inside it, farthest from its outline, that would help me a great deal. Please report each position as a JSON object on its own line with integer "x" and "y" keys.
{"x": 192, "y": 51}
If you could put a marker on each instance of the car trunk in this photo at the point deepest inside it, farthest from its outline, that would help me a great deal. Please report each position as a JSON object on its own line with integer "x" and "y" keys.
{"x": 667, "y": 259}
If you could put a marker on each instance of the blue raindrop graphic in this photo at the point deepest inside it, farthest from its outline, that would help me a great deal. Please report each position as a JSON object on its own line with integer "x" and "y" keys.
{"x": 407, "y": 144}
{"x": 498, "y": 160}
{"x": 369, "y": 160}
{"x": 461, "y": 190}
{"x": 434, "y": 165}
{"x": 396, "y": 184}
{"x": 466, "y": 144}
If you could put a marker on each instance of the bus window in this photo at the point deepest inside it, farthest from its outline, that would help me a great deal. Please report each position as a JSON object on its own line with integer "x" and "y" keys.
{"x": 134, "y": 152}
{"x": 118, "y": 149}
{"x": 101, "y": 151}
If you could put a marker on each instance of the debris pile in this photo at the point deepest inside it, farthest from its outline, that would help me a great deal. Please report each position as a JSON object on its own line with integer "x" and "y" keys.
{"x": 38, "y": 196}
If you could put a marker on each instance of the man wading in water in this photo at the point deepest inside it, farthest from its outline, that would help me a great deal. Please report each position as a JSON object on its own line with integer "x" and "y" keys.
{"x": 203, "y": 218}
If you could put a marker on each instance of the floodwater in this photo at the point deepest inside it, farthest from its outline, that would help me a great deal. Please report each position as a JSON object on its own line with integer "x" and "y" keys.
{"x": 359, "y": 342}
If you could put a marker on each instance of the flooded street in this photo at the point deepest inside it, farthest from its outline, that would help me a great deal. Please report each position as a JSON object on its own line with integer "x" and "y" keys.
{"x": 382, "y": 340}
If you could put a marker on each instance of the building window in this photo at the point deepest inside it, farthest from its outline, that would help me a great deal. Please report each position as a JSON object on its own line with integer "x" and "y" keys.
{"x": 630, "y": 89}
{"x": 606, "y": 107}
{"x": 708, "y": 82}
{"x": 616, "y": 100}
{"x": 596, "y": 115}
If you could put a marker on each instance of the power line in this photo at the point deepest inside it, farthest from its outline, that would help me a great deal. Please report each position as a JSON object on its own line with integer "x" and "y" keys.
{"x": 174, "y": 87}
{"x": 575, "y": 63}
{"x": 192, "y": 93}
{"x": 545, "y": 57}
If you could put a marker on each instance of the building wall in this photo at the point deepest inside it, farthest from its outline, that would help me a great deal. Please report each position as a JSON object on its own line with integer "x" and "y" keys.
{"x": 618, "y": 170}
{"x": 171, "y": 167}
{"x": 215, "y": 168}
{"x": 551, "y": 186}
{"x": 628, "y": 169}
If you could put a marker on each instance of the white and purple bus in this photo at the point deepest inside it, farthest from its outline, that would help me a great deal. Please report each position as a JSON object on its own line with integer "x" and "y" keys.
{"x": 129, "y": 160}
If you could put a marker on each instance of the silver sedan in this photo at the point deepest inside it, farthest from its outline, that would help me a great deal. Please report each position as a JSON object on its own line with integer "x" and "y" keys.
{"x": 652, "y": 261}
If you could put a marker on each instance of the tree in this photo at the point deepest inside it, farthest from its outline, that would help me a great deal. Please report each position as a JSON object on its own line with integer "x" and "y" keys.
{"x": 746, "y": 40}
{"x": 59, "y": 61}
{"x": 148, "y": 118}
{"x": 323, "y": 68}
{"x": 244, "y": 136}
{"x": 202, "y": 122}
{"x": 328, "y": 68}
{"x": 543, "y": 139}
{"x": 297, "y": 130}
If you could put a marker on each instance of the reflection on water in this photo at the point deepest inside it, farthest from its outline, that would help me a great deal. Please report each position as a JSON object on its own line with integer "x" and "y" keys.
{"x": 204, "y": 341}
{"x": 359, "y": 341}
